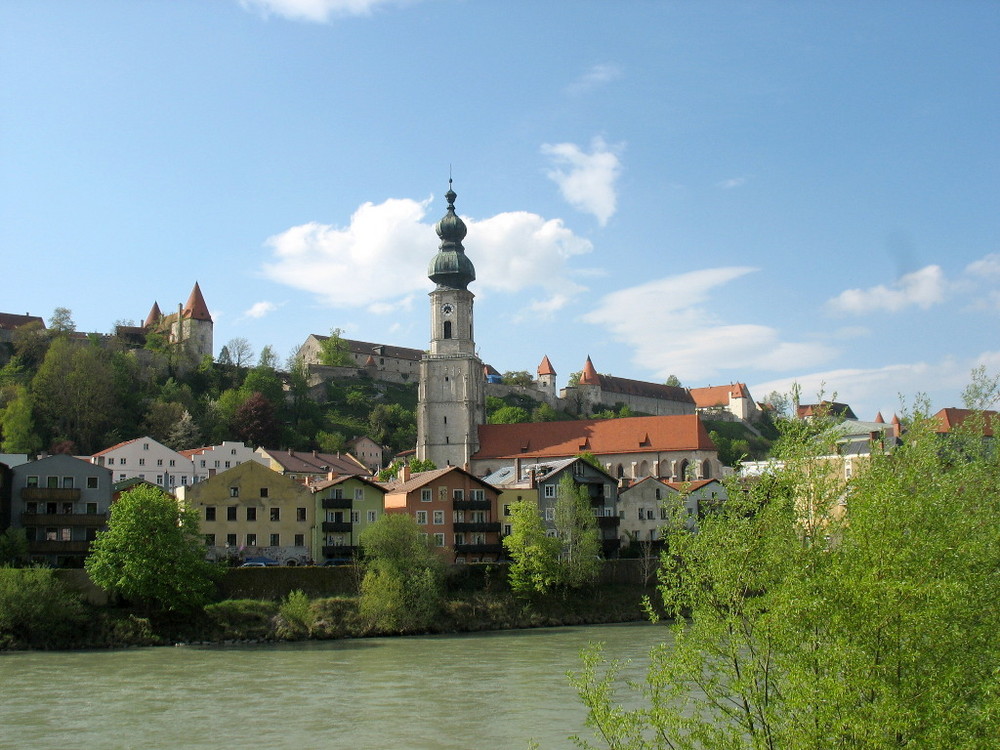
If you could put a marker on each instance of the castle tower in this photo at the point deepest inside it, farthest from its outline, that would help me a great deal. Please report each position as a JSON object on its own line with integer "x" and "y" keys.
{"x": 547, "y": 377}
{"x": 194, "y": 325}
{"x": 452, "y": 396}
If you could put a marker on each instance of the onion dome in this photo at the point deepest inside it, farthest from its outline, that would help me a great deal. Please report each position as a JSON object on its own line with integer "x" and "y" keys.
{"x": 451, "y": 267}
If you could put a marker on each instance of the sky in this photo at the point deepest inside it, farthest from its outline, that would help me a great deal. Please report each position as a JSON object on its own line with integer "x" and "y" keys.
{"x": 770, "y": 193}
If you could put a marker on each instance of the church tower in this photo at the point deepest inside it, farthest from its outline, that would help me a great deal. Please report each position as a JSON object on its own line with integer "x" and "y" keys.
{"x": 452, "y": 396}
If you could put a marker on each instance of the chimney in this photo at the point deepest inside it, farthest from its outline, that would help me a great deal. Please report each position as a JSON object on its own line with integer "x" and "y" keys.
{"x": 404, "y": 473}
{"x": 517, "y": 468}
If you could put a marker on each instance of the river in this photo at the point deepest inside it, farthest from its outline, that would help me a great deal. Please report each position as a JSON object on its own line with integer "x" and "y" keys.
{"x": 492, "y": 691}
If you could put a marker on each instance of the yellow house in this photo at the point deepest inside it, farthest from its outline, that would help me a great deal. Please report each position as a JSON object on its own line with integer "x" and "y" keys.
{"x": 250, "y": 512}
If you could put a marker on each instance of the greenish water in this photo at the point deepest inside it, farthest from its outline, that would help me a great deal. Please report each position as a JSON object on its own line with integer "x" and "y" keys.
{"x": 492, "y": 691}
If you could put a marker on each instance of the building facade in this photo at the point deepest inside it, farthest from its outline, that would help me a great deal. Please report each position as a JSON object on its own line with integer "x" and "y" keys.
{"x": 61, "y": 502}
{"x": 214, "y": 459}
{"x": 147, "y": 459}
{"x": 345, "y": 506}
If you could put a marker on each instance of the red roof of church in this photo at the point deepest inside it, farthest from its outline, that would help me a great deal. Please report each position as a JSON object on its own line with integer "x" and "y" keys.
{"x": 718, "y": 395}
{"x": 154, "y": 316}
{"x": 598, "y": 436}
{"x": 196, "y": 307}
{"x": 546, "y": 368}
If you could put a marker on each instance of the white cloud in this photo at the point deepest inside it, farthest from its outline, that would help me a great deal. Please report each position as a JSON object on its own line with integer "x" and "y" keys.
{"x": 317, "y": 11}
{"x": 732, "y": 183}
{"x": 668, "y": 324}
{"x": 260, "y": 309}
{"x": 923, "y": 288}
{"x": 379, "y": 262}
{"x": 586, "y": 180}
{"x": 988, "y": 266}
{"x": 595, "y": 77}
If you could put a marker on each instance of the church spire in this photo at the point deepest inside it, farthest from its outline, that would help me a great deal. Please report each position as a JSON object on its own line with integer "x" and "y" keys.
{"x": 451, "y": 267}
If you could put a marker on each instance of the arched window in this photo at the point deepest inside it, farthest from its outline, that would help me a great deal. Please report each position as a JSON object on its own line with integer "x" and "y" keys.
{"x": 682, "y": 469}
{"x": 706, "y": 469}
{"x": 643, "y": 469}
{"x": 620, "y": 471}
{"x": 447, "y": 329}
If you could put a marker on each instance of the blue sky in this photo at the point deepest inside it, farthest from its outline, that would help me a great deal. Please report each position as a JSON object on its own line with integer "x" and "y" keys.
{"x": 758, "y": 192}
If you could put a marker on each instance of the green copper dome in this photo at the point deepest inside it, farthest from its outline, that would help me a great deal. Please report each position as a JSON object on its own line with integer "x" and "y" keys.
{"x": 451, "y": 267}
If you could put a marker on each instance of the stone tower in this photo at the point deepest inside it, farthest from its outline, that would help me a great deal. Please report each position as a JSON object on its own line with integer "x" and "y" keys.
{"x": 193, "y": 325}
{"x": 452, "y": 396}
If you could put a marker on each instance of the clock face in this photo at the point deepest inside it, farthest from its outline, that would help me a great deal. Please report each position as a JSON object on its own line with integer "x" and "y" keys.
{"x": 447, "y": 309}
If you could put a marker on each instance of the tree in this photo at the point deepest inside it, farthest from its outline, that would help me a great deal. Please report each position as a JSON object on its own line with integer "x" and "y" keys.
{"x": 519, "y": 377}
{"x": 13, "y": 547}
{"x": 152, "y": 552}
{"x": 268, "y": 358}
{"x": 391, "y": 471}
{"x": 255, "y": 423}
{"x": 674, "y": 381}
{"x": 576, "y": 526}
{"x": 402, "y": 587}
{"x": 19, "y": 434}
{"x": 334, "y": 352}
{"x": 509, "y": 415}
{"x": 240, "y": 352}
{"x": 813, "y": 612}
{"x": 535, "y": 555}
{"x": 184, "y": 433}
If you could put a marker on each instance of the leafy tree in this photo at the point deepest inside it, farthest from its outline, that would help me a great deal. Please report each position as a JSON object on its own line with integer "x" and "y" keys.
{"x": 519, "y": 377}
{"x": 535, "y": 567}
{"x": 13, "y": 547}
{"x": 61, "y": 322}
{"x": 333, "y": 350}
{"x": 37, "y": 610}
{"x": 152, "y": 552}
{"x": 403, "y": 582}
{"x": 391, "y": 471}
{"x": 160, "y": 419}
{"x": 574, "y": 379}
{"x": 544, "y": 413}
{"x": 240, "y": 352}
{"x": 265, "y": 381}
{"x": 509, "y": 415}
{"x": 331, "y": 442}
{"x": 591, "y": 459}
{"x": 255, "y": 422}
{"x": 576, "y": 526}
{"x": 184, "y": 434}
{"x": 811, "y": 612}
{"x": 31, "y": 342}
{"x": 674, "y": 381}
{"x": 19, "y": 435}
{"x": 268, "y": 358}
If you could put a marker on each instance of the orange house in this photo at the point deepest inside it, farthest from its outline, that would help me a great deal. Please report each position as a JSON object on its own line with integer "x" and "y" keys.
{"x": 457, "y": 511}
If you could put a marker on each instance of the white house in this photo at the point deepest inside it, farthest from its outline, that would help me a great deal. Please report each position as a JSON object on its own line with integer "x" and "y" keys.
{"x": 149, "y": 460}
{"x": 214, "y": 459}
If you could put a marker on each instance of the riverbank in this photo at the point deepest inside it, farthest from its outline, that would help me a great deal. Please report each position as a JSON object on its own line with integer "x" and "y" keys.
{"x": 261, "y": 606}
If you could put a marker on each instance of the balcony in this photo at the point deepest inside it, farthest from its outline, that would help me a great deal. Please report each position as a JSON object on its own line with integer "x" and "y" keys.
{"x": 50, "y": 494}
{"x": 608, "y": 522}
{"x": 472, "y": 505}
{"x": 488, "y": 527}
{"x": 64, "y": 519}
{"x": 334, "y": 526}
{"x": 478, "y": 549}
{"x": 58, "y": 548}
{"x": 336, "y": 503}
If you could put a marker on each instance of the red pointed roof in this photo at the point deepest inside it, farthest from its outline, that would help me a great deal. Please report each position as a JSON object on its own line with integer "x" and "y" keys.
{"x": 599, "y": 436}
{"x": 196, "y": 307}
{"x": 879, "y": 419}
{"x": 718, "y": 395}
{"x": 589, "y": 375}
{"x": 546, "y": 368}
{"x": 154, "y": 316}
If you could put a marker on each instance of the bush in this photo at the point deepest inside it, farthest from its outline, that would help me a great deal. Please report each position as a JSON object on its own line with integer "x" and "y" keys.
{"x": 295, "y": 616}
{"x": 37, "y": 610}
{"x": 242, "y": 619}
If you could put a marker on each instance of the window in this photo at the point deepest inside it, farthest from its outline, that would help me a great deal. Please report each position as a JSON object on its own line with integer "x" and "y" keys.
{"x": 422, "y": 517}
{"x": 458, "y": 516}
{"x": 91, "y": 483}
{"x": 251, "y": 540}
{"x": 549, "y": 490}
{"x": 202, "y": 462}
{"x": 642, "y": 513}
{"x": 67, "y": 483}
{"x": 91, "y": 509}
{"x": 650, "y": 515}
{"x": 263, "y": 491}
{"x": 425, "y": 495}
{"x": 506, "y": 529}
{"x": 275, "y": 540}
{"x": 111, "y": 461}
{"x": 232, "y": 451}
{"x": 251, "y": 514}
{"x": 477, "y": 495}
{"x": 67, "y": 508}
{"x": 210, "y": 540}
{"x": 231, "y": 540}
{"x": 31, "y": 507}
{"x": 506, "y": 509}
{"x": 227, "y": 464}
{"x": 159, "y": 479}
{"x": 300, "y": 540}
{"x": 657, "y": 493}
{"x": 550, "y": 514}
{"x": 458, "y": 495}
{"x": 439, "y": 540}
{"x": 159, "y": 462}
{"x": 121, "y": 461}
{"x": 447, "y": 329}
{"x": 234, "y": 492}
{"x": 231, "y": 513}
{"x": 142, "y": 462}
{"x": 171, "y": 462}
{"x": 65, "y": 535}
{"x": 32, "y": 482}
{"x": 372, "y": 516}
{"x": 359, "y": 494}
{"x": 300, "y": 514}
{"x": 275, "y": 514}
{"x": 355, "y": 516}
{"x": 459, "y": 538}
{"x": 209, "y": 512}
{"x": 121, "y": 477}
{"x": 479, "y": 516}
{"x": 438, "y": 517}
{"x": 52, "y": 483}
{"x": 145, "y": 447}
{"x": 184, "y": 479}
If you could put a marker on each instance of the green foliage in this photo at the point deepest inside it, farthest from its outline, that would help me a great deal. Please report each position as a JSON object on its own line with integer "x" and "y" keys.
{"x": 36, "y": 609}
{"x": 509, "y": 415}
{"x": 580, "y": 559}
{"x": 402, "y": 586}
{"x": 242, "y": 619}
{"x": 391, "y": 471}
{"x": 13, "y": 547}
{"x": 333, "y": 351}
{"x": 673, "y": 381}
{"x": 17, "y": 421}
{"x": 152, "y": 552}
{"x": 535, "y": 556}
{"x": 520, "y": 377}
{"x": 296, "y": 616}
{"x": 812, "y": 613}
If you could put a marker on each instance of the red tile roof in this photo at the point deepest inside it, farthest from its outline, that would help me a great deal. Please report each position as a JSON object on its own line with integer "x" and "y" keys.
{"x": 950, "y": 418}
{"x": 545, "y": 367}
{"x": 312, "y": 462}
{"x": 612, "y": 384}
{"x": 718, "y": 395}
{"x": 598, "y": 436}
{"x": 10, "y": 321}
{"x": 196, "y": 307}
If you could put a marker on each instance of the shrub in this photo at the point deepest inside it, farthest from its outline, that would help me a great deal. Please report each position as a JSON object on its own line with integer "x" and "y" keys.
{"x": 242, "y": 619}
{"x": 37, "y": 610}
{"x": 295, "y": 616}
